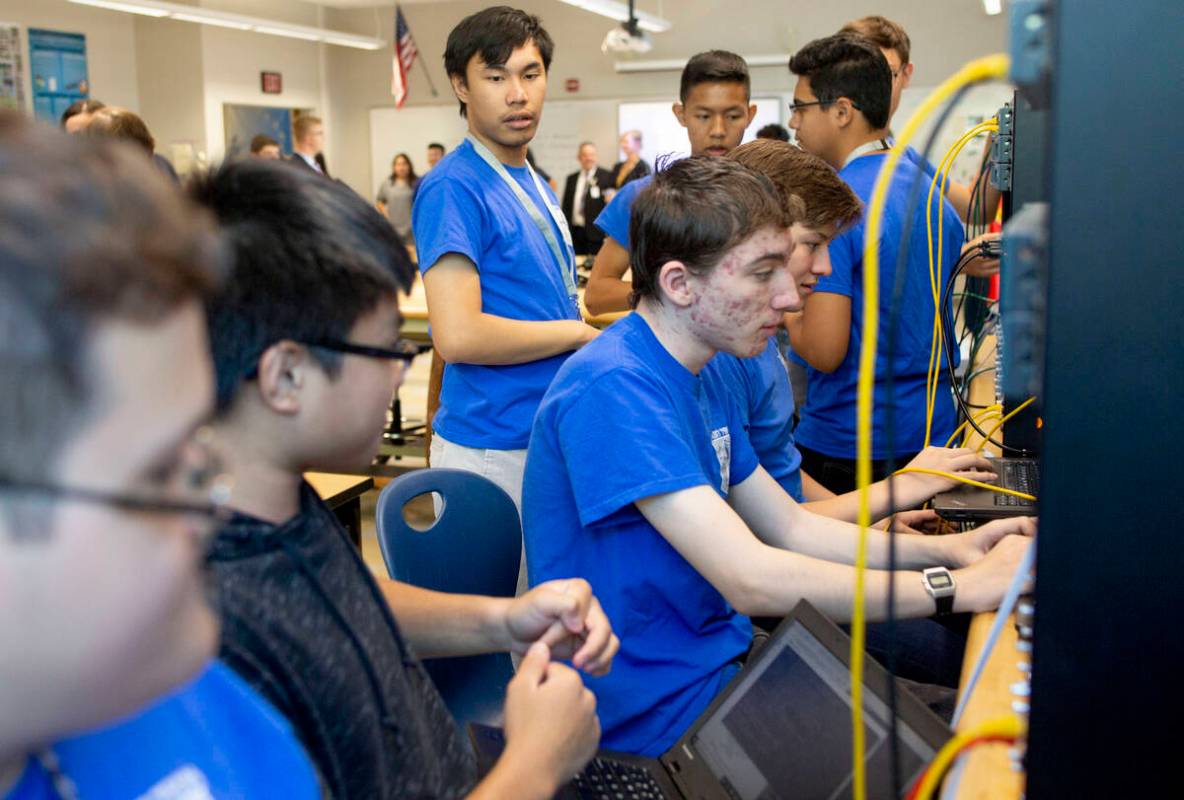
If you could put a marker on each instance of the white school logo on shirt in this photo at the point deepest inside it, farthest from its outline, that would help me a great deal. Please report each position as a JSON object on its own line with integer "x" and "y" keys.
{"x": 185, "y": 783}
{"x": 721, "y": 441}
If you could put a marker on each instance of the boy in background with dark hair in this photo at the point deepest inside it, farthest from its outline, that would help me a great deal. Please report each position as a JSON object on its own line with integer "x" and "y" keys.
{"x": 108, "y": 492}
{"x": 307, "y": 354}
{"x": 495, "y": 253}
{"x": 715, "y": 106}
{"x": 435, "y": 153}
{"x": 641, "y": 476}
{"x": 840, "y": 112}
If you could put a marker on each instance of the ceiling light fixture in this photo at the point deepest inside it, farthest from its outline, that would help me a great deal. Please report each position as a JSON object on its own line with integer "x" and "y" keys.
{"x": 676, "y": 64}
{"x": 241, "y": 22}
{"x": 620, "y": 12}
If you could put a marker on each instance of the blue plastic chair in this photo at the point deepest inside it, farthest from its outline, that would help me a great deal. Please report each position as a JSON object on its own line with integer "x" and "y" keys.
{"x": 474, "y": 547}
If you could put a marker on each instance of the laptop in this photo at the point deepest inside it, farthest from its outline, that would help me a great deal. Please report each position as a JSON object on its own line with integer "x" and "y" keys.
{"x": 780, "y": 729}
{"x": 970, "y": 504}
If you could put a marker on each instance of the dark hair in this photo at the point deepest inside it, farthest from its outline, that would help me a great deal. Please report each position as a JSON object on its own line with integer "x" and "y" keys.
{"x": 122, "y": 124}
{"x": 811, "y": 191}
{"x": 90, "y": 232}
{"x": 713, "y": 66}
{"x": 80, "y": 107}
{"x": 437, "y": 146}
{"x": 493, "y": 34}
{"x": 773, "y": 131}
{"x": 882, "y": 32}
{"x": 310, "y": 258}
{"x": 259, "y": 141}
{"x": 411, "y": 176}
{"x": 694, "y": 211}
{"x": 851, "y": 67}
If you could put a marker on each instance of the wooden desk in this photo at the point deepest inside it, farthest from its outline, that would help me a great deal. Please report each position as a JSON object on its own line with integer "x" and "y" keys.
{"x": 987, "y": 772}
{"x": 343, "y": 494}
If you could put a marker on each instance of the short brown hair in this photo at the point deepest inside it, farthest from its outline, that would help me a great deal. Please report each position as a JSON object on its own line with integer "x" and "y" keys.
{"x": 301, "y": 125}
{"x": 122, "y": 124}
{"x": 89, "y": 232}
{"x": 812, "y": 192}
{"x": 695, "y": 211}
{"x": 882, "y": 32}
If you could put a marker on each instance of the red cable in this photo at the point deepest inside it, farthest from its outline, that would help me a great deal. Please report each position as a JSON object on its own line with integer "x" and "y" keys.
{"x": 912, "y": 795}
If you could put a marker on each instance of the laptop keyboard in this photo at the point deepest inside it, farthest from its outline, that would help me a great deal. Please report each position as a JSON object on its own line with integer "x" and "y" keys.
{"x": 1023, "y": 476}
{"x": 604, "y": 779}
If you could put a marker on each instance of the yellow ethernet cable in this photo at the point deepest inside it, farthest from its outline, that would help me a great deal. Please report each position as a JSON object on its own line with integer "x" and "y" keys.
{"x": 1001, "y": 728}
{"x": 982, "y": 69}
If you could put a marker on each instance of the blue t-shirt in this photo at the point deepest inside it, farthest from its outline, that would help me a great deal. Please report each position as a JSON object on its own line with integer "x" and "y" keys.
{"x": 623, "y": 421}
{"x": 614, "y": 220}
{"x": 462, "y": 206}
{"x": 761, "y": 386}
{"x": 918, "y": 161}
{"x": 213, "y": 738}
{"x": 828, "y": 418}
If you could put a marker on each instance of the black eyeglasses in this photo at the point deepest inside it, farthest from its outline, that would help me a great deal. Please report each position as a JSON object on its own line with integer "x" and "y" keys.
{"x": 795, "y": 107}
{"x": 404, "y": 350}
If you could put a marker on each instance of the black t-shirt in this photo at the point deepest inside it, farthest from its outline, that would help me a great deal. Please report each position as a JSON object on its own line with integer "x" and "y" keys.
{"x": 305, "y": 623}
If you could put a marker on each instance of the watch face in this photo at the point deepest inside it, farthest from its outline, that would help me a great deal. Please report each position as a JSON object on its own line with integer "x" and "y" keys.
{"x": 940, "y": 580}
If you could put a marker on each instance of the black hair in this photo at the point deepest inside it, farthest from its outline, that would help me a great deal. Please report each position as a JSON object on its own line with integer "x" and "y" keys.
{"x": 86, "y": 106}
{"x": 713, "y": 66}
{"x": 411, "y": 176}
{"x": 261, "y": 140}
{"x": 773, "y": 131}
{"x": 695, "y": 211}
{"x": 493, "y": 34}
{"x": 437, "y": 146}
{"x": 851, "y": 67}
{"x": 310, "y": 257}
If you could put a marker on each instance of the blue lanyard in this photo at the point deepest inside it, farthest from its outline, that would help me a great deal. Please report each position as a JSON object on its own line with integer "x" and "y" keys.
{"x": 565, "y": 257}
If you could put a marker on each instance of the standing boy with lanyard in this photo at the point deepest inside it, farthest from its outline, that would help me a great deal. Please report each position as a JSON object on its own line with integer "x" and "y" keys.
{"x": 495, "y": 253}
{"x": 715, "y": 107}
{"x": 108, "y": 492}
{"x": 840, "y": 113}
{"x": 641, "y": 477}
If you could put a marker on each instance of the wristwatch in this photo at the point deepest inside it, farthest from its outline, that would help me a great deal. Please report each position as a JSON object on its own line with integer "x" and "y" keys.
{"x": 939, "y": 582}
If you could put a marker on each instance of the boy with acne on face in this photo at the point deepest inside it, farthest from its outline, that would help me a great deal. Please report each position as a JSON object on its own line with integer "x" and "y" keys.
{"x": 715, "y": 107}
{"x": 641, "y": 477}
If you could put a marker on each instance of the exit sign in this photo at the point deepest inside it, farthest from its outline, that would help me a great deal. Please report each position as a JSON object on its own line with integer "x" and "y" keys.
{"x": 271, "y": 82}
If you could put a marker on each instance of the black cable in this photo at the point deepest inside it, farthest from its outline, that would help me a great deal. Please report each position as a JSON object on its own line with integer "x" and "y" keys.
{"x": 889, "y": 420}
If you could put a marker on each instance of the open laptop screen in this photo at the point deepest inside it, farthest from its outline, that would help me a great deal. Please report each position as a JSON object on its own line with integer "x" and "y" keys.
{"x": 785, "y": 728}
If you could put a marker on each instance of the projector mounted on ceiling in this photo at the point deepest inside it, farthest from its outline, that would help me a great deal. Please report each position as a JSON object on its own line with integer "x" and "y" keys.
{"x": 627, "y": 38}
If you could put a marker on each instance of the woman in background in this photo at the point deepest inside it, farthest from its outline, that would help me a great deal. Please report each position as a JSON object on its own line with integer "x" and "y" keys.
{"x": 396, "y": 195}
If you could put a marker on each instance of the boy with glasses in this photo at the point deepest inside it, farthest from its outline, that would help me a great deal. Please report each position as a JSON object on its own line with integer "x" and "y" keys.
{"x": 108, "y": 492}
{"x": 307, "y": 355}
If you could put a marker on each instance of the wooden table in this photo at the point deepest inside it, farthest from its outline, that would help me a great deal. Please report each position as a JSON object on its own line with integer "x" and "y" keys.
{"x": 987, "y": 773}
{"x": 343, "y": 494}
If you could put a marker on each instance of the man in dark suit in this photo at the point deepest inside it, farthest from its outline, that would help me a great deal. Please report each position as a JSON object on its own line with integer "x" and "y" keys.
{"x": 308, "y": 134}
{"x": 584, "y": 198}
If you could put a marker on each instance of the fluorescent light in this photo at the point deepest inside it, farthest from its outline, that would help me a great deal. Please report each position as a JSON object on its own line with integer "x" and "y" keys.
{"x": 993, "y": 7}
{"x": 676, "y": 64}
{"x": 620, "y": 12}
{"x": 215, "y": 21}
{"x": 240, "y": 22}
{"x": 130, "y": 8}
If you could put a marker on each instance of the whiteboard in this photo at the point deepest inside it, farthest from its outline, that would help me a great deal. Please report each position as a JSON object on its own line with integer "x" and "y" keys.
{"x": 663, "y": 136}
{"x": 564, "y": 125}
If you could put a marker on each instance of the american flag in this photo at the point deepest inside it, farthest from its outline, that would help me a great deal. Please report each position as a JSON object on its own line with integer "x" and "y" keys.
{"x": 405, "y": 53}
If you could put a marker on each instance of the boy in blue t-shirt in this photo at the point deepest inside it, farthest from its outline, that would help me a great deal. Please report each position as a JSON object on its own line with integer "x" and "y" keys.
{"x": 495, "y": 253}
{"x": 641, "y": 479}
{"x": 108, "y": 492}
{"x": 715, "y": 106}
{"x": 840, "y": 113}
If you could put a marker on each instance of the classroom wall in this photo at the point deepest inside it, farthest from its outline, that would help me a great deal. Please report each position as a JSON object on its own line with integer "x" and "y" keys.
{"x": 169, "y": 57}
{"x": 110, "y": 43}
{"x": 944, "y": 33}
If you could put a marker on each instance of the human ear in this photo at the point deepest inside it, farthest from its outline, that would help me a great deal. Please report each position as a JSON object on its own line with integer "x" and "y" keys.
{"x": 842, "y": 112}
{"x": 460, "y": 88}
{"x": 680, "y": 113}
{"x": 674, "y": 283}
{"x": 282, "y": 372}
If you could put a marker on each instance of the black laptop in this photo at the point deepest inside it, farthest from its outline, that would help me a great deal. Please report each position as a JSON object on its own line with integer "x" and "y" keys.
{"x": 971, "y": 504}
{"x": 780, "y": 729}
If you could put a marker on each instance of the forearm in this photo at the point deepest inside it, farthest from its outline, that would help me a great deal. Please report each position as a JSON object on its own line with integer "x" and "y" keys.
{"x": 813, "y": 490}
{"x": 606, "y": 295}
{"x": 836, "y": 540}
{"x": 513, "y": 777}
{"x": 437, "y": 624}
{"x": 489, "y": 339}
{"x": 908, "y": 493}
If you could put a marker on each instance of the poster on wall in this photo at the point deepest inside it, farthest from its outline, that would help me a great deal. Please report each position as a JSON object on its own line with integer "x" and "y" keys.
{"x": 12, "y": 68}
{"x": 242, "y": 123}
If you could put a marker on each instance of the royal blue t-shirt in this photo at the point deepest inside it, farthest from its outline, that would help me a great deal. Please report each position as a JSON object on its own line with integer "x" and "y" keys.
{"x": 213, "y": 738}
{"x": 462, "y": 206}
{"x": 828, "y": 418}
{"x": 614, "y": 219}
{"x": 623, "y": 421}
{"x": 761, "y": 385}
